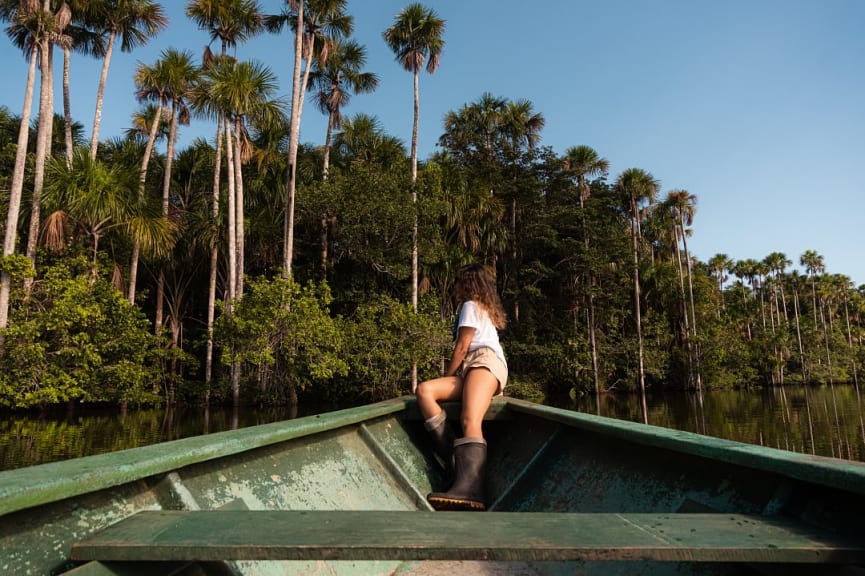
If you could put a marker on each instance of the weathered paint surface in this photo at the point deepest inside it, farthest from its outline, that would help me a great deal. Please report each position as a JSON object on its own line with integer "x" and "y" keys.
{"x": 376, "y": 458}
{"x": 213, "y": 535}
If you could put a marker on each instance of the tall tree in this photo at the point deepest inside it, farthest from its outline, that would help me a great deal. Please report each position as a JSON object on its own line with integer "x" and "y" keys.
{"x": 78, "y": 36}
{"x": 231, "y": 22}
{"x": 134, "y": 22}
{"x": 521, "y": 129}
{"x": 241, "y": 92}
{"x": 683, "y": 206}
{"x": 317, "y": 24}
{"x": 150, "y": 86}
{"x": 814, "y": 265}
{"x": 636, "y": 187}
{"x": 719, "y": 265}
{"x": 416, "y": 39}
{"x": 583, "y": 163}
{"x": 178, "y": 76}
{"x": 26, "y": 30}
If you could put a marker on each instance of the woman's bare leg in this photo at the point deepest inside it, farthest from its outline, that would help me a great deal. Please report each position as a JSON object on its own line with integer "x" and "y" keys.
{"x": 478, "y": 389}
{"x": 431, "y": 392}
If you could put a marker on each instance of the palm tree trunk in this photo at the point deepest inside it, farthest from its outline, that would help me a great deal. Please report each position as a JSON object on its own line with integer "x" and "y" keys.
{"x": 67, "y": 109}
{"x": 232, "y": 255}
{"x": 232, "y": 217}
{"x": 239, "y": 212}
{"x": 414, "y": 250}
{"x": 693, "y": 313}
{"x": 323, "y": 234}
{"x": 325, "y": 168}
{"x": 814, "y": 297}
{"x": 590, "y": 317}
{"x": 687, "y": 322}
{"x": 43, "y": 146}
{"x": 214, "y": 261}
{"x": 799, "y": 336}
{"x": 15, "y": 192}
{"x": 826, "y": 342}
{"x": 166, "y": 192}
{"x": 637, "y": 312}
{"x": 414, "y": 229}
{"x": 142, "y": 178}
{"x": 294, "y": 135}
{"x": 100, "y": 94}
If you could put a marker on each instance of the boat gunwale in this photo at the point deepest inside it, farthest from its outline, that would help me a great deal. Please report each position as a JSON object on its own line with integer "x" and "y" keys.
{"x": 847, "y": 475}
{"x": 32, "y": 486}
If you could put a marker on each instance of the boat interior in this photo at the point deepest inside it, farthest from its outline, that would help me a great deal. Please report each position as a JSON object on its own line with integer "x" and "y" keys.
{"x": 566, "y": 494}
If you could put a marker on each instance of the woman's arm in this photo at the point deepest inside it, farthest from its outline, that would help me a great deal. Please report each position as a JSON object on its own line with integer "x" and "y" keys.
{"x": 461, "y": 348}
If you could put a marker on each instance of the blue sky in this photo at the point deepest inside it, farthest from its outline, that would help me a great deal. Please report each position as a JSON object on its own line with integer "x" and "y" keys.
{"x": 755, "y": 106}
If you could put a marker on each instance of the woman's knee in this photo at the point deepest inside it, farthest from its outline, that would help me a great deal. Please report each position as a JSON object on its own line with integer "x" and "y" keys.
{"x": 421, "y": 391}
{"x": 426, "y": 390}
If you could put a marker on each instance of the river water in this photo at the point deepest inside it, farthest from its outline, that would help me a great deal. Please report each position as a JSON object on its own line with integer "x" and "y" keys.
{"x": 825, "y": 421}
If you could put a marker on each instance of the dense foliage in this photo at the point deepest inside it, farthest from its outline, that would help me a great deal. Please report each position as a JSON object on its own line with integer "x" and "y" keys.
{"x": 140, "y": 251}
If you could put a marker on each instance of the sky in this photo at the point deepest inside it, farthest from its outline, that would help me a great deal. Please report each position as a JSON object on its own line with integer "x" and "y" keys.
{"x": 757, "y": 107}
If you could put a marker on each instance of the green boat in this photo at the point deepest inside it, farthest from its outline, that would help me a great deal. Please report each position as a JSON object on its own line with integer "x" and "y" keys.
{"x": 345, "y": 493}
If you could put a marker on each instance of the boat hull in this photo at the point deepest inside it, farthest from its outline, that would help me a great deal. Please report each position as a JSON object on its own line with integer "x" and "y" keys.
{"x": 376, "y": 457}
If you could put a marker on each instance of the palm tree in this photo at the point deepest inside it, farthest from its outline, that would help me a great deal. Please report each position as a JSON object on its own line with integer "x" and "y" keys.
{"x": 134, "y": 22}
{"x": 176, "y": 75}
{"x": 150, "y": 85}
{"x": 796, "y": 282}
{"x": 231, "y": 22}
{"x": 337, "y": 78}
{"x": 364, "y": 141}
{"x": 98, "y": 198}
{"x": 777, "y": 263}
{"x": 416, "y": 39}
{"x": 582, "y": 163}
{"x": 719, "y": 265}
{"x": 26, "y": 32}
{"x": 35, "y": 30}
{"x": 521, "y": 131}
{"x": 473, "y": 129}
{"x": 77, "y": 36}
{"x": 747, "y": 270}
{"x": 814, "y": 265}
{"x": 683, "y": 206}
{"x": 635, "y": 187}
{"x": 317, "y": 24}
{"x": 241, "y": 92}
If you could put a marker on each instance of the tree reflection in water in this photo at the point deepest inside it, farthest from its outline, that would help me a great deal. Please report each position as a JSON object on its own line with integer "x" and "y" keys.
{"x": 826, "y": 421}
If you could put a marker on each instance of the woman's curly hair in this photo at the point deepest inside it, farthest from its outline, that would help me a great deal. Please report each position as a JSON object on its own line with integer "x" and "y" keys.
{"x": 474, "y": 282}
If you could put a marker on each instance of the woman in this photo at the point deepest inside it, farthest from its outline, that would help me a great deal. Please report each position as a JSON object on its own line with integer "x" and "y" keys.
{"x": 483, "y": 373}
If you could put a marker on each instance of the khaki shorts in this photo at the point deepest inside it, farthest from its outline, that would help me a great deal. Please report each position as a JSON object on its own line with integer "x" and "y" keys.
{"x": 486, "y": 358}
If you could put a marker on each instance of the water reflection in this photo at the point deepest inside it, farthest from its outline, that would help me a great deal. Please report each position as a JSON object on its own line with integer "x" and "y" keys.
{"x": 826, "y": 421}
{"x": 26, "y": 439}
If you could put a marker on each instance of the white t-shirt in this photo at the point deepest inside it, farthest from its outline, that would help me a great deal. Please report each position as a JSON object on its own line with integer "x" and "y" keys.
{"x": 486, "y": 335}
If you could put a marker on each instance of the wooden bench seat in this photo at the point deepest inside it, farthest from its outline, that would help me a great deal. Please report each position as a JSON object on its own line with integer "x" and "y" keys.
{"x": 413, "y": 535}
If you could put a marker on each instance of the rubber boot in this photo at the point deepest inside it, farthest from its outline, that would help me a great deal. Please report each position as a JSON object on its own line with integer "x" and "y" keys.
{"x": 443, "y": 439}
{"x": 467, "y": 492}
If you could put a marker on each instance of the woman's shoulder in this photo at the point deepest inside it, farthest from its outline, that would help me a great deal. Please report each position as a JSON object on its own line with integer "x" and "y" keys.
{"x": 469, "y": 308}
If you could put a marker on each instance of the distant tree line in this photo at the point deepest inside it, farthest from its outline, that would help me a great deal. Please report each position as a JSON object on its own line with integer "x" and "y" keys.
{"x": 255, "y": 268}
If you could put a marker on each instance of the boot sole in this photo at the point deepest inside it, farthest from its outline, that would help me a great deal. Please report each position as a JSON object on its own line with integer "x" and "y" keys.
{"x": 440, "y": 503}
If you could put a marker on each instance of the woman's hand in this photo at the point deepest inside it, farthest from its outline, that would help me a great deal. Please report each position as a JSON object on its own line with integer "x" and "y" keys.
{"x": 461, "y": 348}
